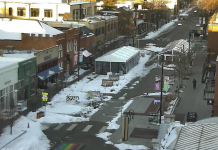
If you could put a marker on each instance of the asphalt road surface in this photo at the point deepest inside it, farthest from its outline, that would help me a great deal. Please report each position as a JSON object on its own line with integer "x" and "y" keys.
{"x": 82, "y": 136}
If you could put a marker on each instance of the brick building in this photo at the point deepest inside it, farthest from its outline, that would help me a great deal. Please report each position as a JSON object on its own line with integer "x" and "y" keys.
{"x": 41, "y": 36}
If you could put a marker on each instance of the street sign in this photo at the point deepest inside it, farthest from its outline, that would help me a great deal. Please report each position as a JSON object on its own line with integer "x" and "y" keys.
{"x": 44, "y": 96}
{"x": 201, "y": 28}
{"x": 70, "y": 98}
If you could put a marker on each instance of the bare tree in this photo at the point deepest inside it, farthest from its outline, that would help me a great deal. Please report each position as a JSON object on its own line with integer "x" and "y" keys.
{"x": 12, "y": 113}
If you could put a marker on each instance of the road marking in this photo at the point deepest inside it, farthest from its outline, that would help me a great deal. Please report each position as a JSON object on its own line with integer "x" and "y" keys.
{"x": 87, "y": 128}
{"x": 59, "y": 126}
{"x": 72, "y": 127}
{"x": 103, "y": 129}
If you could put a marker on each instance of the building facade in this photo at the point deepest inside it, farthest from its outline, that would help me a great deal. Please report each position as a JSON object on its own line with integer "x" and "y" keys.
{"x": 29, "y": 9}
{"x": 47, "y": 67}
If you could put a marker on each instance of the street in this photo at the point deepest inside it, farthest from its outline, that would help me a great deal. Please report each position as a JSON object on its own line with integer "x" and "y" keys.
{"x": 83, "y": 133}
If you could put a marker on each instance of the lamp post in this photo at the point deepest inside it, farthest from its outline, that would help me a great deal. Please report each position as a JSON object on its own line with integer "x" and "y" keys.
{"x": 161, "y": 90}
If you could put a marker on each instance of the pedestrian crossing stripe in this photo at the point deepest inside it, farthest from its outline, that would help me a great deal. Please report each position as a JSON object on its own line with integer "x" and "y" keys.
{"x": 67, "y": 146}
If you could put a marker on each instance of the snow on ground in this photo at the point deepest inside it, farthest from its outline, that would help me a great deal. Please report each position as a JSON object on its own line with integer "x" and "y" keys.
{"x": 171, "y": 106}
{"x": 124, "y": 146}
{"x": 171, "y": 136}
{"x": 33, "y": 136}
{"x": 60, "y": 111}
{"x": 160, "y": 30}
{"x": 157, "y": 93}
{"x": 112, "y": 124}
{"x": 74, "y": 76}
{"x": 153, "y": 48}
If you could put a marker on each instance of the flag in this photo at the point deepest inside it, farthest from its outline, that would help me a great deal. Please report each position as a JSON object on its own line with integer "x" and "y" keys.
{"x": 166, "y": 87}
{"x": 157, "y": 86}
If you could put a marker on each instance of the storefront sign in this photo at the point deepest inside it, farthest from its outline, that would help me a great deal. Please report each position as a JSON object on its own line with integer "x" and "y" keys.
{"x": 47, "y": 57}
{"x": 8, "y": 82}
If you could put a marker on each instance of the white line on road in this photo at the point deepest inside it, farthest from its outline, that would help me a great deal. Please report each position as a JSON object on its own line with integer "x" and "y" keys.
{"x": 103, "y": 129}
{"x": 72, "y": 127}
{"x": 87, "y": 128}
{"x": 59, "y": 126}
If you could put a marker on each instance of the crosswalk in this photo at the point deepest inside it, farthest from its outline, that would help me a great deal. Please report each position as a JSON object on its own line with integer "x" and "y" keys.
{"x": 70, "y": 127}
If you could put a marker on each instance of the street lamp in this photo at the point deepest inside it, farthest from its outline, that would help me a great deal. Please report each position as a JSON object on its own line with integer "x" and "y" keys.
{"x": 161, "y": 90}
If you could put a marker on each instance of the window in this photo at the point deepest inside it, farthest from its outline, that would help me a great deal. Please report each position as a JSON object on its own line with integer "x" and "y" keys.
{"x": 111, "y": 26}
{"x": 102, "y": 30}
{"x": 48, "y": 13}
{"x": 60, "y": 47}
{"x": 21, "y": 11}
{"x": 71, "y": 46}
{"x": 75, "y": 46}
{"x": 61, "y": 64}
{"x": 108, "y": 27}
{"x": 114, "y": 25}
{"x": 33, "y": 89}
{"x": 34, "y": 12}
{"x": 99, "y": 31}
{"x": 96, "y": 32}
{"x": 10, "y": 11}
{"x": 20, "y": 84}
{"x": 68, "y": 46}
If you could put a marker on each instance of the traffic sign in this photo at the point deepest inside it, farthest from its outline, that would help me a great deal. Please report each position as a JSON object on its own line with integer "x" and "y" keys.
{"x": 44, "y": 96}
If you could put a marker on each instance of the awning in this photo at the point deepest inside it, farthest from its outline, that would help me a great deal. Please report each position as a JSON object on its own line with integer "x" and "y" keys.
{"x": 86, "y": 53}
{"x": 49, "y": 72}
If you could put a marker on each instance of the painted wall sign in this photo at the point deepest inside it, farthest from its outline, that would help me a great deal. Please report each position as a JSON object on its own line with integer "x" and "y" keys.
{"x": 47, "y": 57}
{"x": 7, "y": 82}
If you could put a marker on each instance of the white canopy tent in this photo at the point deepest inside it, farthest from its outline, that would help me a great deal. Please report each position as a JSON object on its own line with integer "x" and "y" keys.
{"x": 127, "y": 56}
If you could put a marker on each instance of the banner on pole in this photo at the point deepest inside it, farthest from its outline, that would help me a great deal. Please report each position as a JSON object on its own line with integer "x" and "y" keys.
{"x": 157, "y": 83}
{"x": 166, "y": 79}
{"x": 166, "y": 87}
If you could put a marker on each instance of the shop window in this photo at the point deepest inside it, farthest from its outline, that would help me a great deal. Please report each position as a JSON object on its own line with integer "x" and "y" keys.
{"x": 48, "y": 13}
{"x": 10, "y": 11}
{"x": 34, "y": 12}
{"x": 21, "y": 11}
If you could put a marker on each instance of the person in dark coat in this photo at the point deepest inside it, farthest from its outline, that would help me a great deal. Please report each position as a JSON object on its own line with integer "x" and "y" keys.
{"x": 194, "y": 83}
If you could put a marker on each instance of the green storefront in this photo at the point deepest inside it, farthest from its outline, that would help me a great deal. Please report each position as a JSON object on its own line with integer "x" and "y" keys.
{"x": 27, "y": 79}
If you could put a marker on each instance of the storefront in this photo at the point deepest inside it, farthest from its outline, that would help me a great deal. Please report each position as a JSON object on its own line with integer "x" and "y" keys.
{"x": 47, "y": 66}
{"x": 8, "y": 84}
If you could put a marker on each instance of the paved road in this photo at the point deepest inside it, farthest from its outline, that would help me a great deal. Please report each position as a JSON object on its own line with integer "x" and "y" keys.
{"x": 87, "y": 140}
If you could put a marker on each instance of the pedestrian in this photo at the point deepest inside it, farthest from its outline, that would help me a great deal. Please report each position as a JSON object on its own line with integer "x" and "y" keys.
{"x": 194, "y": 83}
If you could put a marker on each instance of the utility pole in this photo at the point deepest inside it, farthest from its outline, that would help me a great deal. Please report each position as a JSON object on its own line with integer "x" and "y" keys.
{"x": 78, "y": 52}
{"x": 135, "y": 26}
{"x": 161, "y": 90}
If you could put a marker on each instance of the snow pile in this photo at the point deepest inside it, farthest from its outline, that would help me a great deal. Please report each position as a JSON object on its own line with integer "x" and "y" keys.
{"x": 112, "y": 124}
{"x": 124, "y": 146}
{"x": 171, "y": 136}
{"x": 31, "y": 138}
{"x": 153, "y": 48}
{"x": 171, "y": 106}
{"x": 104, "y": 135}
{"x": 160, "y": 30}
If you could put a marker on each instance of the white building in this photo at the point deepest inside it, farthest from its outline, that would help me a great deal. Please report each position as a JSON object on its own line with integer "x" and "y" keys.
{"x": 47, "y": 10}
{"x": 9, "y": 82}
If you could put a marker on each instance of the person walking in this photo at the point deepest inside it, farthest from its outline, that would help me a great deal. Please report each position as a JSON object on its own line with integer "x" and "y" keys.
{"x": 194, "y": 83}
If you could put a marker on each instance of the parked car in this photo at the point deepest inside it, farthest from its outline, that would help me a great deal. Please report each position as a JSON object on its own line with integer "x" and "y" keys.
{"x": 196, "y": 33}
{"x": 191, "y": 117}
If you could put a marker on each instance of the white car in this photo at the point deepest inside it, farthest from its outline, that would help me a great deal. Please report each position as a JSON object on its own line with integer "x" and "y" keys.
{"x": 179, "y": 24}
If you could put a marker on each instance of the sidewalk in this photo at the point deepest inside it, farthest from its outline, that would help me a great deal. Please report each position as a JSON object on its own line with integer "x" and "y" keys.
{"x": 141, "y": 131}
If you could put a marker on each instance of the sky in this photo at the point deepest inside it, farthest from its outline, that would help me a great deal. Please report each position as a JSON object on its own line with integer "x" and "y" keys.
{"x": 61, "y": 111}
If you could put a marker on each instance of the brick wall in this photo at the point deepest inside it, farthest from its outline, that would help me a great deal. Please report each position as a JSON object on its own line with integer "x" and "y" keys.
{"x": 29, "y": 42}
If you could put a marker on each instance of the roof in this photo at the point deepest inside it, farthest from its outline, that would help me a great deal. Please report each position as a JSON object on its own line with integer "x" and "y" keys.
{"x": 122, "y": 54}
{"x": 13, "y": 29}
{"x": 177, "y": 46}
{"x": 198, "y": 136}
{"x": 9, "y": 59}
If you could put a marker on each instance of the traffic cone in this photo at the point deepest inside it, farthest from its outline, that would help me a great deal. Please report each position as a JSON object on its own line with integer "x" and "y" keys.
{"x": 28, "y": 125}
